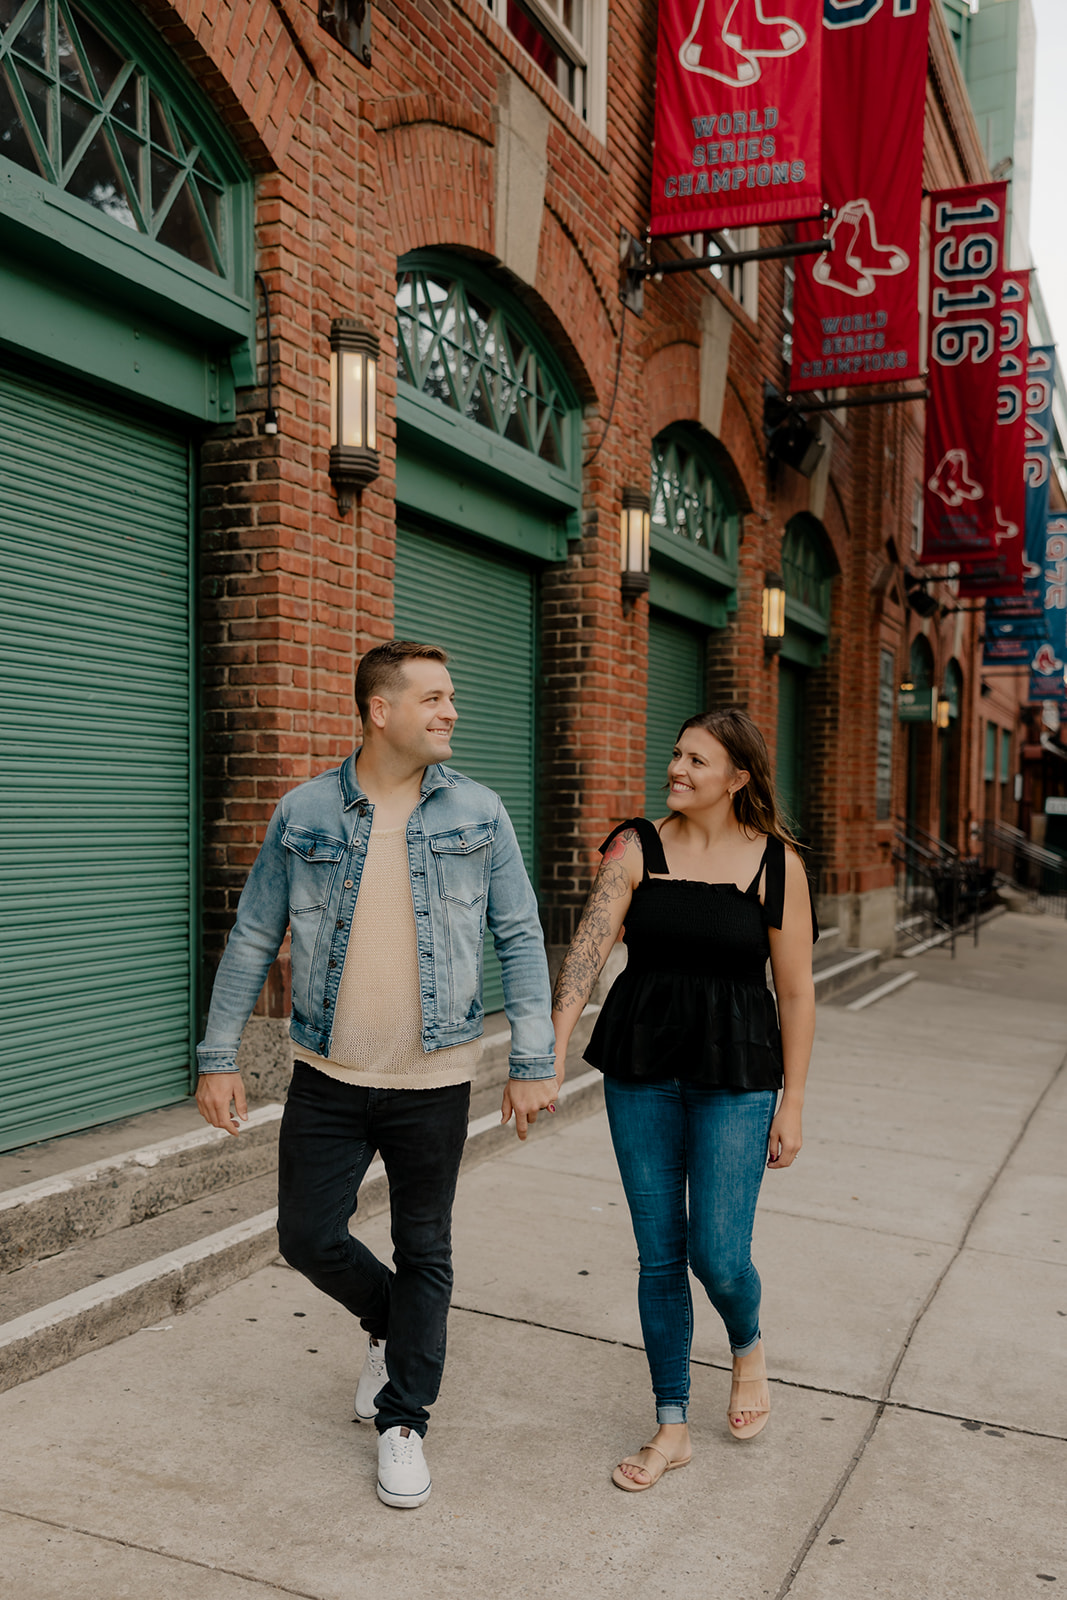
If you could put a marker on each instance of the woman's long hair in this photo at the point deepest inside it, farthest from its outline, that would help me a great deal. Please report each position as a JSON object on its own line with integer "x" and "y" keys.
{"x": 754, "y": 805}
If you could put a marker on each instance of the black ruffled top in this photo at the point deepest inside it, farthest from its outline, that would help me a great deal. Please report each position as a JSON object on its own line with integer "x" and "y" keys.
{"x": 693, "y": 1001}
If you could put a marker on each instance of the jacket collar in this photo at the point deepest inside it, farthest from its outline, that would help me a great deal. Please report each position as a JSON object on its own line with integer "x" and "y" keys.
{"x": 436, "y": 776}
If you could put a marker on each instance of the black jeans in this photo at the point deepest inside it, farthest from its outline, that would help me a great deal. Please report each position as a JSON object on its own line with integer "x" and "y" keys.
{"x": 329, "y": 1136}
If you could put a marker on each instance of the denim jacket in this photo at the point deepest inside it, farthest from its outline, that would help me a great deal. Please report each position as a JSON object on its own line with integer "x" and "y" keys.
{"x": 466, "y": 870}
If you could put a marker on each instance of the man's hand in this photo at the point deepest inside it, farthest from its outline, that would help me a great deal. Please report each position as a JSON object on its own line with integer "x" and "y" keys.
{"x": 218, "y": 1096}
{"x": 526, "y": 1097}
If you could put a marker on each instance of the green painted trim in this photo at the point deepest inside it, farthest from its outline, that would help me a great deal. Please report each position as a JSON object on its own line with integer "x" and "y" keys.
{"x": 196, "y": 808}
{"x": 434, "y": 429}
{"x": 49, "y": 228}
{"x": 471, "y": 505}
{"x": 491, "y": 289}
{"x": 699, "y": 564}
{"x": 798, "y": 615}
{"x": 802, "y": 650}
{"x": 53, "y": 322}
{"x": 674, "y": 591}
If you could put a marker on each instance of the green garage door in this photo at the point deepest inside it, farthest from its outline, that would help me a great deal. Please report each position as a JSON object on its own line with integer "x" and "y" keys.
{"x": 789, "y": 760}
{"x": 675, "y": 691}
{"x": 481, "y": 607}
{"x": 96, "y": 716}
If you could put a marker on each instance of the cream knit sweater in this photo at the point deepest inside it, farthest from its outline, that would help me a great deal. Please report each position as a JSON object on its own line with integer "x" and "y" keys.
{"x": 377, "y": 1024}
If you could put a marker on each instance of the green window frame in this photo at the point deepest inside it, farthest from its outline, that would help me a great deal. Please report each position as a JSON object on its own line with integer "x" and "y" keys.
{"x": 694, "y": 532}
{"x": 80, "y": 108}
{"x": 489, "y": 426}
{"x": 687, "y": 500}
{"x": 990, "y": 751}
{"x": 117, "y": 175}
{"x": 461, "y": 348}
{"x": 808, "y": 571}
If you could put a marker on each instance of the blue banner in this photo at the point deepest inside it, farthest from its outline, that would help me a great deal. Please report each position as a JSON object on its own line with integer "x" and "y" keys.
{"x": 1047, "y": 669}
{"x": 1013, "y": 624}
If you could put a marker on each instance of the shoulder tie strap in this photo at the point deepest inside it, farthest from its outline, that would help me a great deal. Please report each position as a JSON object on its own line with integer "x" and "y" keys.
{"x": 759, "y": 870}
{"x": 774, "y": 893}
{"x": 651, "y": 846}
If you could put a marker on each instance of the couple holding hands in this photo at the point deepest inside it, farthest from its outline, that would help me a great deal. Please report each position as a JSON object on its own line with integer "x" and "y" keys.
{"x": 386, "y": 872}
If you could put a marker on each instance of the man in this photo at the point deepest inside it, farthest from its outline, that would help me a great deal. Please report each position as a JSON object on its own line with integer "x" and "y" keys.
{"x": 386, "y": 871}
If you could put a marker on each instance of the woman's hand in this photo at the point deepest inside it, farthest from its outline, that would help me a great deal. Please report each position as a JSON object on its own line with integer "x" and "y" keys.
{"x": 785, "y": 1139}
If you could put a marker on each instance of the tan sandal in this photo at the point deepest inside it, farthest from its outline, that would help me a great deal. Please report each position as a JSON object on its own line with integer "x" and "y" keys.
{"x": 621, "y": 1481}
{"x": 747, "y": 1430}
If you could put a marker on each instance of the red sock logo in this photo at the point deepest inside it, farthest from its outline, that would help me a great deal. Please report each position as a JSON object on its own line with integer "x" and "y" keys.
{"x": 858, "y": 260}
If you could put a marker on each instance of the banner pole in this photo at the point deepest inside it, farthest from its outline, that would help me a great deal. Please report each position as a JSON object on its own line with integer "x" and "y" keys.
{"x": 796, "y": 404}
{"x": 731, "y": 258}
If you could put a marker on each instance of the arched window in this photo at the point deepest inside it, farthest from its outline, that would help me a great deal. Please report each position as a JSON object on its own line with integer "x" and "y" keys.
{"x": 460, "y": 347}
{"x": 921, "y": 664}
{"x": 95, "y": 108}
{"x": 690, "y": 503}
{"x": 953, "y": 689}
{"x": 808, "y": 567}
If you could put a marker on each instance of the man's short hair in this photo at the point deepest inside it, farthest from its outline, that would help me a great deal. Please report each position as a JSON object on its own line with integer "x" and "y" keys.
{"x": 382, "y": 669}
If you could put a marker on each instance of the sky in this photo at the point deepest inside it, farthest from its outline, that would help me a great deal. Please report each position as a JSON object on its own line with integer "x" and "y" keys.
{"x": 1048, "y": 204}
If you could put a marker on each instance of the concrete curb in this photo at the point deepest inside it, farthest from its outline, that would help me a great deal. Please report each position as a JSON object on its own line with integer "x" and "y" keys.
{"x": 57, "y": 1333}
{"x": 40, "y": 1219}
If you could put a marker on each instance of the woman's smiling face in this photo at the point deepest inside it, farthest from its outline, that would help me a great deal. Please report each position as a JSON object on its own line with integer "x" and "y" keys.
{"x": 700, "y": 772}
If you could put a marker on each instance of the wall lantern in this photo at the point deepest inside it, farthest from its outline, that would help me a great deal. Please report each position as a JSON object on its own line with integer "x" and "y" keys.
{"x": 944, "y": 712}
{"x": 354, "y": 459}
{"x": 773, "y": 612}
{"x": 634, "y": 529}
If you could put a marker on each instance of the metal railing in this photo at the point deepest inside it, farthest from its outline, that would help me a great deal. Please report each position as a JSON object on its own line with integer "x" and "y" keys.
{"x": 939, "y": 892}
{"x": 1039, "y": 873}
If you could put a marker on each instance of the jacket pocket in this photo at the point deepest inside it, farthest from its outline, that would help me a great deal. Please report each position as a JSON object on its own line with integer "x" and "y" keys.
{"x": 311, "y": 859}
{"x": 463, "y": 861}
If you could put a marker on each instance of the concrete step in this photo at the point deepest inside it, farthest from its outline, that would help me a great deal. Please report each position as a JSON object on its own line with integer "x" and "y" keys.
{"x": 890, "y": 976}
{"x": 136, "y": 1236}
{"x": 835, "y": 970}
{"x": 122, "y": 1188}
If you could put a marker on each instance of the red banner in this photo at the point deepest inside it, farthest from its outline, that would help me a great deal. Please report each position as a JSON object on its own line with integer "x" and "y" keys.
{"x": 856, "y": 316}
{"x": 966, "y": 279}
{"x": 1001, "y": 573}
{"x": 737, "y": 114}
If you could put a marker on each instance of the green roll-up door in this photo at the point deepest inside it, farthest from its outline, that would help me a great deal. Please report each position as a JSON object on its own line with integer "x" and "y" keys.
{"x": 481, "y": 607}
{"x": 95, "y": 707}
{"x": 675, "y": 691}
{"x": 789, "y": 759}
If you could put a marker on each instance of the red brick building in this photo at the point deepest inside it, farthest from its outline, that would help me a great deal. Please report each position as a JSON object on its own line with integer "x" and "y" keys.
{"x": 460, "y": 189}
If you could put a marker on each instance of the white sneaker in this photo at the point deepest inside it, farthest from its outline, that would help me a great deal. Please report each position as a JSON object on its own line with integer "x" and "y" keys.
{"x": 373, "y": 1378}
{"x": 403, "y": 1476}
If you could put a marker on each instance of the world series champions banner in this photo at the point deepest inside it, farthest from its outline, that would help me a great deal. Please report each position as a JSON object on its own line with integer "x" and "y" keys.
{"x": 1001, "y": 573}
{"x": 966, "y": 280}
{"x": 1047, "y": 680}
{"x": 737, "y": 114}
{"x": 1015, "y": 627}
{"x": 856, "y": 308}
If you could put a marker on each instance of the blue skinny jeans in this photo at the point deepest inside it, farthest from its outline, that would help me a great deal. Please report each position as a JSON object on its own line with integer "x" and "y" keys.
{"x": 691, "y": 1162}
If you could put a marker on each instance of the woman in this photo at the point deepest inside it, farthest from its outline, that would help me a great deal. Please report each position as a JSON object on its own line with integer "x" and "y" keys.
{"x": 693, "y": 1052}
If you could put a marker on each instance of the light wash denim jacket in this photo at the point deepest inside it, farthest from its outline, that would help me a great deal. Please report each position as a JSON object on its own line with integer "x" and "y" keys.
{"x": 466, "y": 870}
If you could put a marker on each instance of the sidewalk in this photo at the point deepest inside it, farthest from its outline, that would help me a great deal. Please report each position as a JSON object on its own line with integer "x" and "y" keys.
{"x": 915, "y": 1278}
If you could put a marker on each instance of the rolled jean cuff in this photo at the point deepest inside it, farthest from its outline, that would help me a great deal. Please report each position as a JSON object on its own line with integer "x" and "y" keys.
{"x": 746, "y": 1349}
{"x": 674, "y": 1412}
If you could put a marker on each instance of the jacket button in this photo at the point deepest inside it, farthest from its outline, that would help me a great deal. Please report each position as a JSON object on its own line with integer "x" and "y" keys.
{"x": 326, "y": 1005}
{"x": 340, "y": 924}
{"x": 333, "y": 963}
{"x": 348, "y": 883}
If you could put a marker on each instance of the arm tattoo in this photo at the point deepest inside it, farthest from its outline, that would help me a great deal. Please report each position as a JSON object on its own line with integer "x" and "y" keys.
{"x": 581, "y": 966}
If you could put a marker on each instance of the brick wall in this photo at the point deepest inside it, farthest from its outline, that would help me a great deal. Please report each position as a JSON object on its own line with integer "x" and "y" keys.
{"x": 354, "y": 168}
